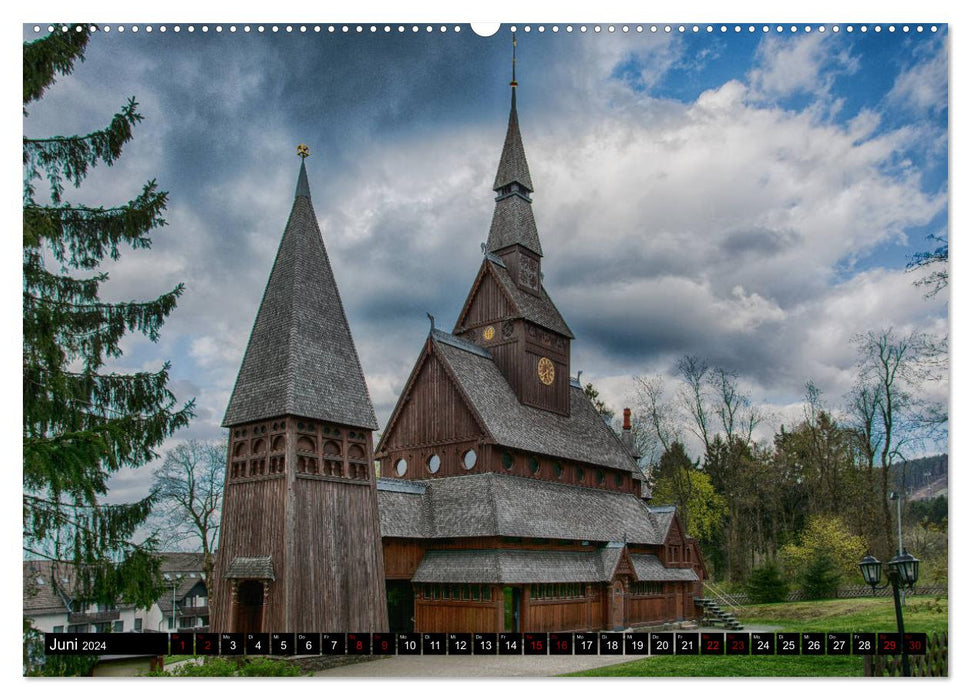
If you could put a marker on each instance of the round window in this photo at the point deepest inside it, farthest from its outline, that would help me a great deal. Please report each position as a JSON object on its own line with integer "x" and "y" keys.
{"x": 600, "y": 476}
{"x": 468, "y": 459}
{"x": 533, "y": 465}
{"x": 507, "y": 460}
{"x": 400, "y": 467}
{"x": 619, "y": 479}
{"x": 557, "y": 469}
{"x": 434, "y": 463}
{"x": 579, "y": 473}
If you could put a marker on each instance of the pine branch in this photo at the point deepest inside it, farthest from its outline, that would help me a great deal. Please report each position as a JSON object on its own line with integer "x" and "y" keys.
{"x": 82, "y": 236}
{"x": 69, "y": 157}
{"x": 61, "y": 330}
{"x": 54, "y": 54}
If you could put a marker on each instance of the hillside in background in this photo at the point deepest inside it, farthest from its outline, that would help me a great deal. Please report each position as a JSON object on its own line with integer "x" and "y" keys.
{"x": 921, "y": 478}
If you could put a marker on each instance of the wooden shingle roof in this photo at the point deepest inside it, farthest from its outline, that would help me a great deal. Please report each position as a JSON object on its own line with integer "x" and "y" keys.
{"x": 508, "y": 566}
{"x": 301, "y": 358}
{"x": 649, "y": 568}
{"x": 582, "y": 436}
{"x": 513, "y": 222}
{"x": 538, "y": 309}
{"x": 512, "y": 164}
{"x": 499, "y": 505}
{"x": 511, "y": 566}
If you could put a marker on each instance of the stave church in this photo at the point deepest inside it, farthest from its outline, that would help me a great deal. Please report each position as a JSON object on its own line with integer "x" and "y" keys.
{"x": 505, "y": 501}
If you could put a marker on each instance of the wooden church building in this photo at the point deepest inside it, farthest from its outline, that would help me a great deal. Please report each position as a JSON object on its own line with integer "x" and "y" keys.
{"x": 506, "y": 503}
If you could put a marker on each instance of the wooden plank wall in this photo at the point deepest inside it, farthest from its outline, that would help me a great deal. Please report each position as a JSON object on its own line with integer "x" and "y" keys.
{"x": 252, "y": 525}
{"x": 490, "y": 304}
{"x": 435, "y": 412}
{"x": 465, "y": 616}
{"x": 341, "y": 579}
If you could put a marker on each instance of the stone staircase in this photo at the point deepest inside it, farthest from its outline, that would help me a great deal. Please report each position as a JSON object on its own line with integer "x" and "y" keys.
{"x": 712, "y": 613}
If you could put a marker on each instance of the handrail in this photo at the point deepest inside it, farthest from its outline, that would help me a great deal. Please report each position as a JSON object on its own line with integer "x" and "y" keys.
{"x": 721, "y": 596}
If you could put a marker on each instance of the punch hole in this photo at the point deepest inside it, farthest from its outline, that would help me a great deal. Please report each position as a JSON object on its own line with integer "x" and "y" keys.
{"x": 485, "y": 29}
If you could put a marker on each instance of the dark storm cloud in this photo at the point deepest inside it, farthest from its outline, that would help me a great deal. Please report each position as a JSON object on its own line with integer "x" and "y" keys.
{"x": 696, "y": 223}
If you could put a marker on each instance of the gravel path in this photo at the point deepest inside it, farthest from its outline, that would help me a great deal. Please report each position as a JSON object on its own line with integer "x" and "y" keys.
{"x": 474, "y": 666}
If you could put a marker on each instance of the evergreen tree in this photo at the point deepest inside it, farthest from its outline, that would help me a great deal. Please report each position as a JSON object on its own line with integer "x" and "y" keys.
{"x": 766, "y": 584}
{"x": 81, "y": 423}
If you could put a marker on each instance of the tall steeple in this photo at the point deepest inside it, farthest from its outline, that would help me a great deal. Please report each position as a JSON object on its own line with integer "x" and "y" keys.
{"x": 512, "y": 222}
{"x": 299, "y": 540}
{"x": 301, "y": 358}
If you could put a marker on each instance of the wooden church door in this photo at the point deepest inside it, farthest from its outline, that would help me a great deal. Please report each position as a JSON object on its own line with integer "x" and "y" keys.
{"x": 249, "y": 607}
{"x": 617, "y": 605}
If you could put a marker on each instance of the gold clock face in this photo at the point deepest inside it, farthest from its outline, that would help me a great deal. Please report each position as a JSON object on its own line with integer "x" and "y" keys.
{"x": 546, "y": 371}
{"x": 489, "y": 333}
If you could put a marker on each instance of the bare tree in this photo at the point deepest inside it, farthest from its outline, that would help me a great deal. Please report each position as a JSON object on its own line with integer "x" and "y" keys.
{"x": 696, "y": 375}
{"x": 933, "y": 265}
{"x": 189, "y": 487}
{"x": 884, "y": 407}
{"x": 655, "y": 418}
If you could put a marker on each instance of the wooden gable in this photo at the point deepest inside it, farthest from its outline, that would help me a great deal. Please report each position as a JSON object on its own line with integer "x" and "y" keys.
{"x": 487, "y": 302}
{"x": 675, "y": 534}
{"x": 431, "y": 409}
{"x": 625, "y": 566}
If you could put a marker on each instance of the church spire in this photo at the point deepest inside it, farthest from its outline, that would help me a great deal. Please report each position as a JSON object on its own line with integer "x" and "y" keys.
{"x": 513, "y": 169}
{"x": 301, "y": 359}
{"x": 512, "y": 222}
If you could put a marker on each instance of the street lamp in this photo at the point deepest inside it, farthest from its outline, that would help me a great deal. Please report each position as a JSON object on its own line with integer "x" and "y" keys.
{"x": 902, "y": 572}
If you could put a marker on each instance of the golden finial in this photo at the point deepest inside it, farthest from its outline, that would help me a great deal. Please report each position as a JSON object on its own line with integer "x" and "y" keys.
{"x": 303, "y": 150}
{"x": 513, "y": 82}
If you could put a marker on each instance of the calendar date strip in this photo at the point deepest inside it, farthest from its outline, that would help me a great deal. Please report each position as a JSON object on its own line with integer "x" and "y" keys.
{"x": 486, "y": 644}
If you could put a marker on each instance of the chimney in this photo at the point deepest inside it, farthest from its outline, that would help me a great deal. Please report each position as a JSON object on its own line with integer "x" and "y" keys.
{"x": 627, "y": 437}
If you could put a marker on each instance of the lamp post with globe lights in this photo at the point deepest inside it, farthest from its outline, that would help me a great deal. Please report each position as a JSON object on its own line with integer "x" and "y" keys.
{"x": 902, "y": 572}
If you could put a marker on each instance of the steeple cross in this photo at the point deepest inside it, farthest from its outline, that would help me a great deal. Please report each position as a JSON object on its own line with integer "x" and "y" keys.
{"x": 513, "y": 82}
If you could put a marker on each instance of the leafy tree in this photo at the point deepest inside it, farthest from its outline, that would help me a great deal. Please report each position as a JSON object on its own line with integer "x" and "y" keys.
{"x": 766, "y": 584}
{"x": 81, "y": 422}
{"x": 679, "y": 481}
{"x": 825, "y": 536}
{"x": 189, "y": 488}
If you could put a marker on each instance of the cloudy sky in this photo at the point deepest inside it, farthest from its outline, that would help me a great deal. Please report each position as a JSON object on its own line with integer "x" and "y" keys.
{"x": 752, "y": 198}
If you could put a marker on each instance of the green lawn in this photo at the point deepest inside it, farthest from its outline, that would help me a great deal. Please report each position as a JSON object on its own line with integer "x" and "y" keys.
{"x": 921, "y": 614}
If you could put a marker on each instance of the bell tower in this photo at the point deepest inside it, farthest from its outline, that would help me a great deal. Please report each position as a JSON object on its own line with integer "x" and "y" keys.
{"x": 508, "y": 310}
{"x": 300, "y": 543}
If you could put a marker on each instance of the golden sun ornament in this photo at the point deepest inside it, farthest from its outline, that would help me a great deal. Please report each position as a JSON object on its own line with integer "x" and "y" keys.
{"x": 303, "y": 150}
